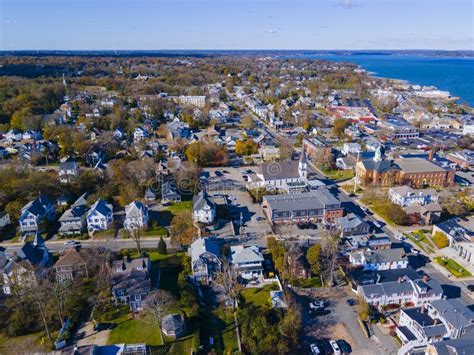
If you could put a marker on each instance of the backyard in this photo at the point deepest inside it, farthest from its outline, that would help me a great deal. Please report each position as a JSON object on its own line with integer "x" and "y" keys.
{"x": 259, "y": 296}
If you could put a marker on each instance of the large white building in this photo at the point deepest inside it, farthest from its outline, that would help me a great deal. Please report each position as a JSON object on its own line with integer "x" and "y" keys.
{"x": 287, "y": 175}
{"x": 406, "y": 196}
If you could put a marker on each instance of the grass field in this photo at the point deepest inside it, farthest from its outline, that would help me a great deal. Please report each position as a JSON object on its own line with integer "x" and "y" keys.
{"x": 453, "y": 267}
{"x": 181, "y": 206}
{"x": 338, "y": 174}
{"x": 132, "y": 331}
{"x": 258, "y": 296}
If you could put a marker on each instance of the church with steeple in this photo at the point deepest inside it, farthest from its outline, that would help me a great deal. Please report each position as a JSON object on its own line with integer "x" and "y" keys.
{"x": 287, "y": 176}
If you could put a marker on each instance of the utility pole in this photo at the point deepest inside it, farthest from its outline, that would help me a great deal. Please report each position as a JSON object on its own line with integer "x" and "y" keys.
{"x": 356, "y": 175}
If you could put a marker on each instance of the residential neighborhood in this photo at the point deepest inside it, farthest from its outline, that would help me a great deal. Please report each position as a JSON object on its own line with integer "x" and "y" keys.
{"x": 227, "y": 204}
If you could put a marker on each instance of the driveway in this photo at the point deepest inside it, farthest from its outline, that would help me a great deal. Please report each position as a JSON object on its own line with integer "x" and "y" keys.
{"x": 86, "y": 335}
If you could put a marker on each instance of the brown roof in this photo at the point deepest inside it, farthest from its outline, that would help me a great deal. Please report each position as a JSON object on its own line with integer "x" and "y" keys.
{"x": 71, "y": 257}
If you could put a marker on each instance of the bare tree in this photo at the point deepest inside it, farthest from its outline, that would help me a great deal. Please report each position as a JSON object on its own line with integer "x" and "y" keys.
{"x": 228, "y": 278}
{"x": 28, "y": 282}
{"x": 135, "y": 234}
{"x": 157, "y": 305}
{"x": 60, "y": 291}
{"x": 329, "y": 257}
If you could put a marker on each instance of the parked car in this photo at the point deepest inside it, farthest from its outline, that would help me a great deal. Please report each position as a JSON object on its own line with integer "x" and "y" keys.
{"x": 470, "y": 287}
{"x": 400, "y": 237}
{"x": 314, "y": 349}
{"x": 335, "y": 347}
{"x": 377, "y": 224}
{"x": 351, "y": 302}
{"x": 260, "y": 218}
{"x": 344, "y": 346}
{"x": 103, "y": 326}
{"x": 316, "y": 305}
{"x": 415, "y": 251}
{"x": 72, "y": 243}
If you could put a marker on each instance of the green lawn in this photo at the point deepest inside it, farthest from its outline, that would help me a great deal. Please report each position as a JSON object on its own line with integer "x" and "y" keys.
{"x": 153, "y": 232}
{"x": 336, "y": 174}
{"x": 453, "y": 267}
{"x": 258, "y": 296}
{"x": 132, "y": 331}
{"x": 180, "y": 206}
{"x": 218, "y": 324}
{"x": 312, "y": 282}
{"x": 422, "y": 241}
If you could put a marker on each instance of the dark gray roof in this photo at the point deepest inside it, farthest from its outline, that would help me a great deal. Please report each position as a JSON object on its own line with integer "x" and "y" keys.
{"x": 31, "y": 253}
{"x": 318, "y": 199}
{"x": 422, "y": 317}
{"x": 202, "y": 199}
{"x": 351, "y": 221}
{"x": 455, "y": 312}
{"x": 455, "y": 347}
{"x": 203, "y": 245}
{"x": 384, "y": 255}
{"x": 287, "y": 169}
{"x": 381, "y": 166}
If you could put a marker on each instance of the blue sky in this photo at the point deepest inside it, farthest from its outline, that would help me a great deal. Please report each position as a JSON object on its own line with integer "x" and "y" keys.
{"x": 236, "y": 24}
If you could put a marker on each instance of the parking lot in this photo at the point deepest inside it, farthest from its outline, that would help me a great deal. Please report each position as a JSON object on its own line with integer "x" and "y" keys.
{"x": 339, "y": 322}
{"x": 229, "y": 183}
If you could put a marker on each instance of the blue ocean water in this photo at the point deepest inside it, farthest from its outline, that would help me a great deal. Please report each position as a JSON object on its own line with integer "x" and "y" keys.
{"x": 452, "y": 74}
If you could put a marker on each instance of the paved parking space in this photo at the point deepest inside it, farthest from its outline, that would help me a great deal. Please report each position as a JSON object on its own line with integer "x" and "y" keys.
{"x": 229, "y": 182}
{"x": 340, "y": 323}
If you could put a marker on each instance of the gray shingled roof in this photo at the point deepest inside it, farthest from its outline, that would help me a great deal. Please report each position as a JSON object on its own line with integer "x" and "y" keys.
{"x": 307, "y": 200}
{"x": 455, "y": 312}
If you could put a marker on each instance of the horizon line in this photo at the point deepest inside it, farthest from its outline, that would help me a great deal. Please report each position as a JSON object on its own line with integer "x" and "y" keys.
{"x": 238, "y": 49}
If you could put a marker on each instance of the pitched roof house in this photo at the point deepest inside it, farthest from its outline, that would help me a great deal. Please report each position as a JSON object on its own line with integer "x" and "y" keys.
{"x": 136, "y": 215}
{"x": 71, "y": 265}
{"x": 131, "y": 282}
{"x": 247, "y": 261}
{"x": 73, "y": 220}
{"x": 205, "y": 259}
{"x": 204, "y": 208}
{"x": 100, "y": 216}
{"x": 34, "y": 212}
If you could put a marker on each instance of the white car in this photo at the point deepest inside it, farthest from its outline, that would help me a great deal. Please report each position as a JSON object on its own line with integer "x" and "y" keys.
{"x": 316, "y": 305}
{"x": 400, "y": 237}
{"x": 70, "y": 242}
{"x": 377, "y": 224}
{"x": 335, "y": 347}
{"x": 415, "y": 251}
{"x": 315, "y": 349}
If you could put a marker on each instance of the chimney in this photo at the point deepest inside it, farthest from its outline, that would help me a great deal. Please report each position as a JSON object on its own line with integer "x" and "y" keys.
{"x": 378, "y": 278}
{"x": 426, "y": 278}
{"x": 431, "y": 155}
{"x": 435, "y": 322}
{"x": 400, "y": 280}
{"x": 422, "y": 308}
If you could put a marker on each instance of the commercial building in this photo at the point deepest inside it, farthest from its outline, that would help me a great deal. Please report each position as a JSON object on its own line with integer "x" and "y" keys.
{"x": 316, "y": 206}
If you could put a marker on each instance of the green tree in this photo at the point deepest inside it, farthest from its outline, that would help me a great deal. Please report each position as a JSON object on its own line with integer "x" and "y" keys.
{"x": 339, "y": 126}
{"x": 246, "y": 147}
{"x": 314, "y": 258}
{"x": 162, "y": 246}
{"x": 440, "y": 240}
